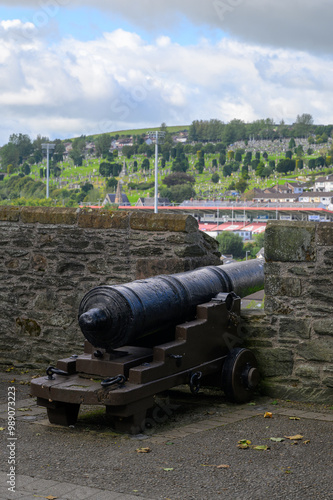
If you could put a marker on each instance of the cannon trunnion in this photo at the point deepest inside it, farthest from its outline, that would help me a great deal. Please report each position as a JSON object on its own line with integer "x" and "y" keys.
{"x": 200, "y": 347}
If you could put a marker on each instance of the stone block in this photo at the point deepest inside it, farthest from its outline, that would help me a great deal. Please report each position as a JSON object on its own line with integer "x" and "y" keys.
{"x": 102, "y": 219}
{"x": 307, "y": 371}
{"x": 276, "y": 305}
{"x": 289, "y": 287}
{"x": 155, "y": 266}
{"x": 316, "y": 350}
{"x": 190, "y": 251}
{"x": 163, "y": 222}
{"x": 294, "y": 328}
{"x": 325, "y": 234}
{"x": 323, "y": 326}
{"x": 48, "y": 215}
{"x": 274, "y": 362}
{"x": 10, "y": 214}
{"x": 290, "y": 242}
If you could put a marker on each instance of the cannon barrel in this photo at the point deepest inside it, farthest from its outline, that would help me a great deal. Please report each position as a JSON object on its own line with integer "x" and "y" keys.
{"x": 115, "y": 316}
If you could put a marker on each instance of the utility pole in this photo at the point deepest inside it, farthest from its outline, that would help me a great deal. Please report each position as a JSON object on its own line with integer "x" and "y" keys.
{"x": 158, "y": 136}
{"x": 47, "y": 147}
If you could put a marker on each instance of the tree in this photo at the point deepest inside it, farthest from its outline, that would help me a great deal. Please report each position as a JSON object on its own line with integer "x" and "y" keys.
{"x": 303, "y": 125}
{"x": 145, "y": 164}
{"x": 292, "y": 143}
{"x": 9, "y": 156}
{"x": 320, "y": 161}
{"x": 312, "y": 164}
{"x": 227, "y": 170}
{"x": 230, "y": 243}
{"x": 23, "y": 144}
{"x": 215, "y": 178}
{"x": 87, "y": 187}
{"x": 178, "y": 178}
{"x": 241, "y": 185}
{"x": 77, "y": 157}
{"x": 26, "y": 168}
{"x": 59, "y": 150}
{"x": 178, "y": 193}
{"x": 222, "y": 159}
{"x": 106, "y": 169}
{"x": 111, "y": 183}
{"x": 285, "y": 165}
{"x": 180, "y": 165}
{"x": 103, "y": 144}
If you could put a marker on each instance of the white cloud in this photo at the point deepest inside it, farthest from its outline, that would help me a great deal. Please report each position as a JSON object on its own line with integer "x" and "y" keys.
{"x": 121, "y": 81}
{"x": 298, "y": 24}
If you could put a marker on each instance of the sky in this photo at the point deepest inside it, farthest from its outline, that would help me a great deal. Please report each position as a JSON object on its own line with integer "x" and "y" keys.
{"x": 73, "y": 67}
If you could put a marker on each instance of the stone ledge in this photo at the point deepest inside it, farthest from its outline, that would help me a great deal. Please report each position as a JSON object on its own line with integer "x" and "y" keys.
{"x": 163, "y": 222}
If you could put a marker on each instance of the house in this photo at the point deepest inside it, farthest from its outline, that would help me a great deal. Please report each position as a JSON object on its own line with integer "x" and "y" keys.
{"x": 118, "y": 198}
{"x": 111, "y": 199}
{"x": 150, "y": 202}
{"x": 324, "y": 183}
{"x": 262, "y": 197}
{"x": 317, "y": 197}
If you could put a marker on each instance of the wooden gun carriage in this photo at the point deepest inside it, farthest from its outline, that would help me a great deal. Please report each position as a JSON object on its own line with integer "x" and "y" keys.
{"x": 150, "y": 335}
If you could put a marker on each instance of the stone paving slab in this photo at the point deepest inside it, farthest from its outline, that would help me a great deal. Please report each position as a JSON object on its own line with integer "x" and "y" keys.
{"x": 29, "y": 488}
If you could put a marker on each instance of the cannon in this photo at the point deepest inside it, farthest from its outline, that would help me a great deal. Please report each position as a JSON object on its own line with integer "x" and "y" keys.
{"x": 145, "y": 337}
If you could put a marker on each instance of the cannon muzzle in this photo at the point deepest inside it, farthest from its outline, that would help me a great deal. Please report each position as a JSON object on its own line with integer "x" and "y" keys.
{"x": 115, "y": 316}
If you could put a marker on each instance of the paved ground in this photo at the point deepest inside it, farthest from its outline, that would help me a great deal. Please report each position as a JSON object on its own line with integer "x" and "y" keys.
{"x": 192, "y": 451}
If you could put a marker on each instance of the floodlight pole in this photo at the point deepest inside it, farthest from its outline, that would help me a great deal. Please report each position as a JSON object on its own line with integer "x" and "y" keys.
{"x": 48, "y": 147}
{"x": 158, "y": 135}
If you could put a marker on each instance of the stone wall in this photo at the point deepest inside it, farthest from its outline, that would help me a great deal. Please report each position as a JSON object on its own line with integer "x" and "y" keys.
{"x": 293, "y": 337}
{"x": 51, "y": 257}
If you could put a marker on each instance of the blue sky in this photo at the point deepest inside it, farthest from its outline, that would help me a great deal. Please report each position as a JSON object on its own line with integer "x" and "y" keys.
{"x": 70, "y": 67}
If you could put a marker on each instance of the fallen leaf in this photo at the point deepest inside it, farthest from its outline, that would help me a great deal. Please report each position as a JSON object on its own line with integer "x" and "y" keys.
{"x": 244, "y": 441}
{"x": 263, "y": 447}
{"x": 24, "y": 409}
{"x": 268, "y": 414}
{"x": 143, "y": 450}
{"x": 297, "y": 436}
{"x": 307, "y": 441}
{"x": 38, "y": 434}
{"x": 168, "y": 469}
{"x": 51, "y": 497}
{"x": 252, "y": 403}
{"x": 223, "y": 466}
{"x": 274, "y": 403}
{"x": 243, "y": 446}
{"x": 2, "y": 428}
{"x": 295, "y": 442}
{"x": 277, "y": 440}
{"x": 294, "y": 418}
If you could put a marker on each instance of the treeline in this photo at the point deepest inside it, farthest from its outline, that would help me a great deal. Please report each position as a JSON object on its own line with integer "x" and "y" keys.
{"x": 237, "y": 130}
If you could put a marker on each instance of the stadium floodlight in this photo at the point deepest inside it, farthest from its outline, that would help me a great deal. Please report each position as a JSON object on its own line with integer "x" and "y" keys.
{"x": 47, "y": 148}
{"x": 158, "y": 136}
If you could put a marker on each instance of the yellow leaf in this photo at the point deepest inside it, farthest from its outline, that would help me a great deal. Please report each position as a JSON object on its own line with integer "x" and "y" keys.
{"x": 244, "y": 441}
{"x": 243, "y": 446}
{"x": 297, "y": 436}
{"x": 222, "y": 466}
{"x": 2, "y": 428}
{"x": 268, "y": 414}
{"x": 168, "y": 469}
{"x": 263, "y": 447}
{"x": 307, "y": 441}
{"x": 51, "y": 497}
{"x": 294, "y": 418}
{"x": 143, "y": 450}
